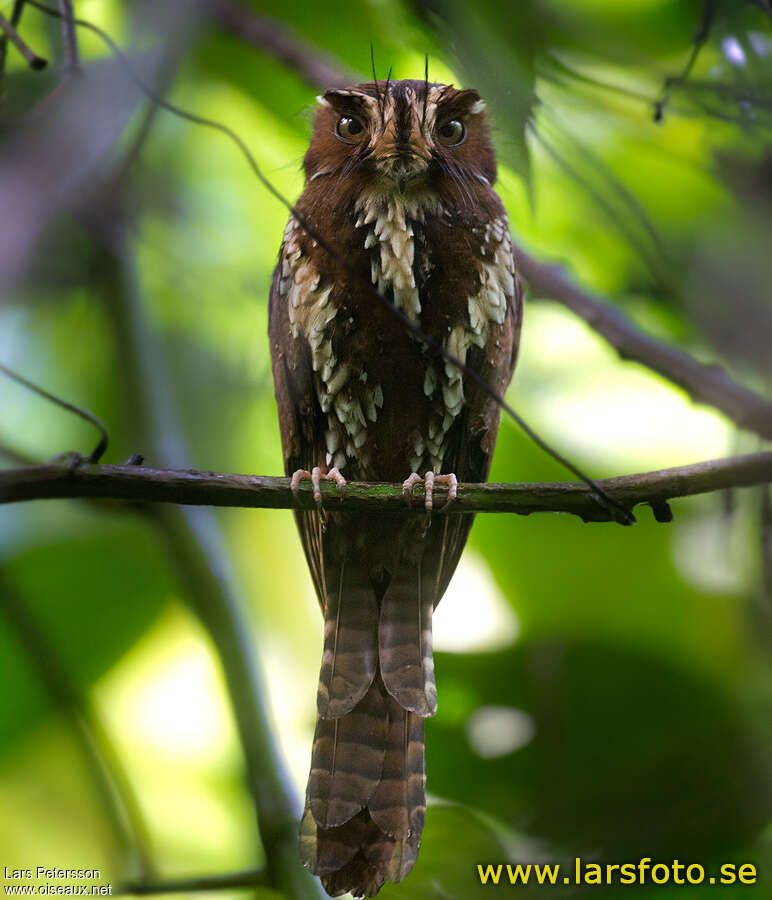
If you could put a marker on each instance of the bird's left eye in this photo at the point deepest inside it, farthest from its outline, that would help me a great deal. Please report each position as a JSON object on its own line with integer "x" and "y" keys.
{"x": 350, "y": 129}
{"x": 451, "y": 133}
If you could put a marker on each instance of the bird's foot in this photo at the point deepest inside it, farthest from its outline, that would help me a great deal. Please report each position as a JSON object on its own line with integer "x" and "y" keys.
{"x": 429, "y": 481}
{"x": 316, "y": 477}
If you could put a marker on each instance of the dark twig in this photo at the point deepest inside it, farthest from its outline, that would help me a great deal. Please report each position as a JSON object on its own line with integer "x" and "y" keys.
{"x": 626, "y": 221}
{"x": 18, "y": 9}
{"x": 189, "y": 487}
{"x": 246, "y": 879}
{"x": 709, "y": 384}
{"x": 125, "y": 167}
{"x": 766, "y": 540}
{"x": 110, "y": 780}
{"x": 70, "y": 36}
{"x": 700, "y": 37}
{"x": 98, "y": 451}
{"x": 33, "y": 60}
{"x": 554, "y": 67}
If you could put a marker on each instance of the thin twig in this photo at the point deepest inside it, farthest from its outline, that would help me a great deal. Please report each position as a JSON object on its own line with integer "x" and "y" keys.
{"x": 228, "y": 881}
{"x": 70, "y": 36}
{"x": 33, "y": 60}
{"x": 18, "y": 9}
{"x": 555, "y": 65}
{"x": 625, "y": 221}
{"x": 766, "y": 540}
{"x": 98, "y": 451}
{"x": 189, "y": 487}
{"x": 103, "y": 763}
{"x": 700, "y": 37}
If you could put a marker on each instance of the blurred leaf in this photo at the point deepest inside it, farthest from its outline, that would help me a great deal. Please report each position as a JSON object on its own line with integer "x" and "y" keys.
{"x": 606, "y": 580}
{"x": 92, "y": 596}
{"x": 632, "y": 754}
{"x": 631, "y": 33}
{"x": 484, "y": 44}
{"x": 455, "y": 840}
{"x": 19, "y": 91}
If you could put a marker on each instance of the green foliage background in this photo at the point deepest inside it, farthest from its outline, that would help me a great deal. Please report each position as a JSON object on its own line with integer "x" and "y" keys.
{"x": 641, "y": 655}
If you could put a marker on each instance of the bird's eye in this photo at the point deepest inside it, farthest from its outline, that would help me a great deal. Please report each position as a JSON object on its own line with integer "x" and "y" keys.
{"x": 451, "y": 133}
{"x": 350, "y": 129}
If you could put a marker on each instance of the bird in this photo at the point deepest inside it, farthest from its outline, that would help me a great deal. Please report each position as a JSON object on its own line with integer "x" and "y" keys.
{"x": 398, "y": 198}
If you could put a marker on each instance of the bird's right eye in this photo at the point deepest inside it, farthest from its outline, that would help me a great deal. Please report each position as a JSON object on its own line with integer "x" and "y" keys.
{"x": 350, "y": 129}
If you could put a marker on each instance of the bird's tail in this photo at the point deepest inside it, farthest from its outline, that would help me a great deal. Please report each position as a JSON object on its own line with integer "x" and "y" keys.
{"x": 365, "y": 800}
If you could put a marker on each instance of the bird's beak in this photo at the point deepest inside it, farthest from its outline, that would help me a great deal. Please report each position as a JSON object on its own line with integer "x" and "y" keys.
{"x": 403, "y": 175}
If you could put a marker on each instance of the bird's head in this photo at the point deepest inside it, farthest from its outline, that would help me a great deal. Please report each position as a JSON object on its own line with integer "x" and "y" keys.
{"x": 403, "y": 137}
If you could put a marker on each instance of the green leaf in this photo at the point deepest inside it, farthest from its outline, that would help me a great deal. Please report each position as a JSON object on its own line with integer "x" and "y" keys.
{"x": 455, "y": 840}
{"x": 91, "y": 597}
{"x": 632, "y": 753}
{"x": 485, "y": 45}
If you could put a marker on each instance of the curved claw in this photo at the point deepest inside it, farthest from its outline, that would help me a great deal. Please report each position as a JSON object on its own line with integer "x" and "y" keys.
{"x": 316, "y": 477}
{"x": 297, "y": 476}
{"x": 409, "y": 483}
{"x": 429, "y": 481}
{"x": 452, "y": 483}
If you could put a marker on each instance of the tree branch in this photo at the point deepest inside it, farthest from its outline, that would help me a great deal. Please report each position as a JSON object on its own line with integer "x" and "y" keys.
{"x": 276, "y": 39}
{"x": 104, "y": 438}
{"x": 196, "y": 549}
{"x": 701, "y": 34}
{"x": 70, "y": 36}
{"x": 18, "y": 9}
{"x": 10, "y": 33}
{"x": 708, "y": 384}
{"x": 705, "y": 383}
{"x": 217, "y": 489}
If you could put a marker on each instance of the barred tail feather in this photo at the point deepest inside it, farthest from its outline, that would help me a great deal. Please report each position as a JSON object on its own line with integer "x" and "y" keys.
{"x": 365, "y": 801}
{"x": 398, "y": 806}
{"x": 347, "y": 761}
{"x": 328, "y": 850}
{"x": 350, "y": 654}
{"x": 380, "y": 859}
{"x": 405, "y": 641}
{"x": 359, "y": 831}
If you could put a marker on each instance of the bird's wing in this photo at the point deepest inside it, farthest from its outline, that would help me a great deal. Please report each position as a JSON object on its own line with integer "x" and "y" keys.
{"x": 473, "y": 436}
{"x": 301, "y": 421}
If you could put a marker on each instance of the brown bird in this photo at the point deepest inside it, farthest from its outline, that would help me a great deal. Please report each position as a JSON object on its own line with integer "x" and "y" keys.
{"x": 399, "y": 184}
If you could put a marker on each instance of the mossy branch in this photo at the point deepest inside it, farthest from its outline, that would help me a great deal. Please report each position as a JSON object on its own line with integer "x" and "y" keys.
{"x": 188, "y": 487}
